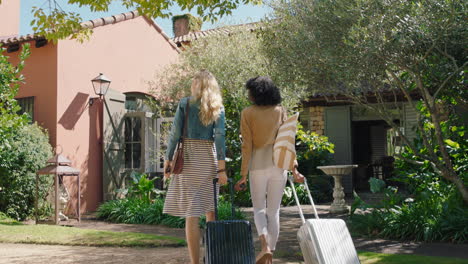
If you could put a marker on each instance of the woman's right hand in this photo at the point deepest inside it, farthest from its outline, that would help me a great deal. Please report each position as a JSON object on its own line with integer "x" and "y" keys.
{"x": 298, "y": 177}
{"x": 241, "y": 185}
{"x": 222, "y": 178}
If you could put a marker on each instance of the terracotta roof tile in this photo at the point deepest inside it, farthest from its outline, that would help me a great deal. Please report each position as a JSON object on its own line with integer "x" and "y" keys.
{"x": 18, "y": 39}
{"x": 221, "y": 30}
{"x": 99, "y": 22}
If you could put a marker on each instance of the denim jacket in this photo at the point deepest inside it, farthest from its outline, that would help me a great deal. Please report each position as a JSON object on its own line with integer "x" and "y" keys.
{"x": 195, "y": 129}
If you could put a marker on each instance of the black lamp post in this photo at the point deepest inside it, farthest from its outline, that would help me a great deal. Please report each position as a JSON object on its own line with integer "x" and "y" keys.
{"x": 100, "y": 84}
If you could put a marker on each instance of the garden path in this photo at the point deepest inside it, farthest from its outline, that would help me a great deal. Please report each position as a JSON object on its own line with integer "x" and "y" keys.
{"x": 287, "y": 249}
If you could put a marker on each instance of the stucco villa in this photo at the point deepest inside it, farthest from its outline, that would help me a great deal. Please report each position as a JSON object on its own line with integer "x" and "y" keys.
{"x": 106, "y": 136}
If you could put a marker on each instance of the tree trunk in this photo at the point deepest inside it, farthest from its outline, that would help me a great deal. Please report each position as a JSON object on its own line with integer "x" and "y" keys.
{"x": 445, "y": 167}
{"x": 461, "y": 187}
{"x": 447, "y": 170}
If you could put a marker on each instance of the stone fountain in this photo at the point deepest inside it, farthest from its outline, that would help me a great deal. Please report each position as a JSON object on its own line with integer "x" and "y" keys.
{"x": 338, "y": 171}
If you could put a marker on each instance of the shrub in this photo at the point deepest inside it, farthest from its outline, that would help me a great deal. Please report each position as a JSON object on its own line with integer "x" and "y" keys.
{"x": 138, "y": 211}
{"x": 320, "y": 186}
{"x": 312, "y": 150}
{"x": 27, "y": 152}
{"x": 23, "y": 148}
{"x": 436, "y": 214}
{"x": 435, "y": 210}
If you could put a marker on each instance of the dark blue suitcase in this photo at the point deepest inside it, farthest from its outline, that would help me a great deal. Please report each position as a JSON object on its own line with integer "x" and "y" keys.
{"x": 228, "y": 241}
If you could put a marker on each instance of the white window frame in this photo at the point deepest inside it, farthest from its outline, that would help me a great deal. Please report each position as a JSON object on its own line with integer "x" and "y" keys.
{"x": 142, "y": 139}
{"x": 159, "y": 144}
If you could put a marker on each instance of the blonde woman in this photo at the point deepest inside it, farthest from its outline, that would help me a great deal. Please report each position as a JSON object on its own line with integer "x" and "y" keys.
{"x": 190, "y": 194}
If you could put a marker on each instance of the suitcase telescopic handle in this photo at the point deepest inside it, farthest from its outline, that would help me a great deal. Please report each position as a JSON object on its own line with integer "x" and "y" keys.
{"x": 230, "y": 181}
{"x": 297, "y": 199}
{"x": 215, "y": 180}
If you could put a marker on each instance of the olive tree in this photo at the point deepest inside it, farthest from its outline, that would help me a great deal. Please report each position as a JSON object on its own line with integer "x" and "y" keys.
{"x": 372, "y": 53}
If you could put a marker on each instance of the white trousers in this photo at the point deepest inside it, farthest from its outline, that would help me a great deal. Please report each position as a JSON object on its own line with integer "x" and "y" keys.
{"x": 266, "y": 189}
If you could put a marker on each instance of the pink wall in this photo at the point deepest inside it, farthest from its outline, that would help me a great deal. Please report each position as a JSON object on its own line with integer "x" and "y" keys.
{"x": 40, "y": 74}
{"x": 129, "y": 53}
{"x": 9, "y": 17}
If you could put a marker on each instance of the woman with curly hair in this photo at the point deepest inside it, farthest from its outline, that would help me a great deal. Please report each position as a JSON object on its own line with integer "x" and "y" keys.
{"x": 259, "y": 127}
{"x": 190, "y": 194}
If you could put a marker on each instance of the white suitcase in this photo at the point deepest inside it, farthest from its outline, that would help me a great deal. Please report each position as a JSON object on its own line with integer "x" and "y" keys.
{"x": 324, "y": 241}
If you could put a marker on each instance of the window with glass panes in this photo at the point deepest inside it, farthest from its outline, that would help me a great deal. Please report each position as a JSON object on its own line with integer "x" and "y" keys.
{"x": 133, "y": 142}
{"x": 27, "y": 106}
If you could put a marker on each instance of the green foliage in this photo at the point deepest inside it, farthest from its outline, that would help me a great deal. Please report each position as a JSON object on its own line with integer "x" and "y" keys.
{"x": 434, "y": 211}
{"x": 10, "y": 79}
{"x": 23, "y": 148}
{"x": 312, "y": 150}
{"x": 27, "y": 153}
{"x": 376, "y": 185}
{"x": 320, "y": 186}
{"x": 136, "y": 211}
{"x": 143, "y": 188}
{"x": 371, "y": 257}
{"x": 241, "y": 198}
{"x": 373, "y": 48}
{"x": 17, "y": 232}
{"x": 59, "y": 24}
{"x": 5, "y": 218}
{"x": 421, "y": 176}
{"x": 435, "y": 218}
{"x": 358, "y": 44}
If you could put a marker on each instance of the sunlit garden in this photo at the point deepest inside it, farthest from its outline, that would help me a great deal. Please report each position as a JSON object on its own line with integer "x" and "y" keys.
{"x": 379, "y": 84}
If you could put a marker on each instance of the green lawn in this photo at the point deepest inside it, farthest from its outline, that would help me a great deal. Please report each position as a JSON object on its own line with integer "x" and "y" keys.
{"x": 376, "y": 258}
{"x": 15, "y": 232}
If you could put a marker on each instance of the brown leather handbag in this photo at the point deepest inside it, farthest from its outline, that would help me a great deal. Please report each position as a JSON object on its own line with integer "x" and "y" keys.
{"x": 178, "y": 159}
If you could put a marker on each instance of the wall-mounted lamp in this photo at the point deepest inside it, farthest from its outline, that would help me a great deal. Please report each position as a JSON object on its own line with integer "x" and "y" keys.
{"x": 100, "y": 84}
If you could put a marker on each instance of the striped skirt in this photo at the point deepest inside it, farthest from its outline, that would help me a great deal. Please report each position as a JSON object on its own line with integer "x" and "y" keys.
{"x": 190, "y": 194}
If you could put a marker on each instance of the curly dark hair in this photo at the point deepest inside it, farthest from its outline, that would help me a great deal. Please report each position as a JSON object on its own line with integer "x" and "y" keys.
{"x": 263, "y": 91}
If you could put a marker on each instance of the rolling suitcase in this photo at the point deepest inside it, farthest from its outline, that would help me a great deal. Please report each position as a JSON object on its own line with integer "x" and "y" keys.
{"x": 228, "y": 241}
{"x": 324, "y": 241}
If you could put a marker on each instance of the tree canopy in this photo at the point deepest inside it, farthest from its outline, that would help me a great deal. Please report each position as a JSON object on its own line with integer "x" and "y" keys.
{"x": 365, "y": 48}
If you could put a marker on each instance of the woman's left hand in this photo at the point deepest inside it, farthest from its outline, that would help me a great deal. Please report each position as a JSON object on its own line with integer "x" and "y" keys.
{"x": 222, "y": 178}
{"x": 241, "y": 184}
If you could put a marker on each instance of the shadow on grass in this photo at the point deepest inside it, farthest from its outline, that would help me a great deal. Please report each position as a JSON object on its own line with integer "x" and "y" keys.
{"x": 87, "y": 255}
{"x": 371, "y": 257}
{"x": 14, "y": 223}
{"x": 128, "y": 239}
{"x": 59, "y": 235}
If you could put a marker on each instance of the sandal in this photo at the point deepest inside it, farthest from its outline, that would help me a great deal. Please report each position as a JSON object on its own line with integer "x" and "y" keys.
{"x": 265, "y": 258}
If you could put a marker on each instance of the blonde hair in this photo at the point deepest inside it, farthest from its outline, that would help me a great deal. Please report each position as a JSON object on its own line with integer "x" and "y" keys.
{"x": 205, "y": 88}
